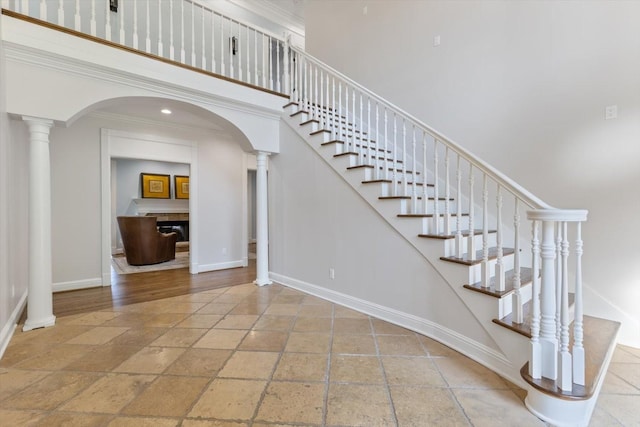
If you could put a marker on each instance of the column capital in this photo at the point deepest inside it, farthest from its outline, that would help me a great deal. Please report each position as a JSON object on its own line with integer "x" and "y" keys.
{"x": 37, "y": 121}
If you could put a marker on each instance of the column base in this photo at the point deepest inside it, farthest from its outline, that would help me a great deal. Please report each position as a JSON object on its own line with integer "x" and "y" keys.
{"x": 262, "y": 282}
{"x": 30, "y": 325}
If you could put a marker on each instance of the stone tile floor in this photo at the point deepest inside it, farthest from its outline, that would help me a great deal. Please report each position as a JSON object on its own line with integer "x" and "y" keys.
{"x": 248, "y": 356}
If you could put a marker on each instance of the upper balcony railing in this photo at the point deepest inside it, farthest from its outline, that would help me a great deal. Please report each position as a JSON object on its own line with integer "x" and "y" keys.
{"x": 184, "y": 31}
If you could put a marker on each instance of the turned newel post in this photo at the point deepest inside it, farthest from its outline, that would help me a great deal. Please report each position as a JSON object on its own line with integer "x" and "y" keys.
{"x": 262, "y": 222}
{"x": 40, "y": 298}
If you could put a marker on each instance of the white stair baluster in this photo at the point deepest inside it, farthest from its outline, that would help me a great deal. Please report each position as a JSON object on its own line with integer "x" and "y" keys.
{"x": 447, "y": 195}
{"x": 92, "y": 22}
{"x": 171, "y": 44}
{"x": 193, "y": 35}
{"x": 107, "y": 23}
{"x": 321, "y": 110}
{"x": 335, "y": 132}
{"x": 378, "y": 155}
{"x": 405, "y": 181}
{"x": 499, "y": 275}
{"x": 279, "y": 83}
{"x": 239, "y": 52}
{"x": 203, "y": 59}
{"x": 24, "y": 7}
{"x": 517, "y": 312}
{"x": 256, "y": 79}
{"x": 459, "y": 241}
{"x": 353, "y": 119}
{"x": 425, "y": 189}
{"x": 314, "y": 106}
{"x": 135, "y": 24}
{"x": 213, "y": 43}
{"x": 270, "y": 68}
{"x": 248, "y": 57}
{"x": 548, "y": 341}
{"x": 223, "y": 66}
{"x": 414, "y": 167}
{"x": 535, "y": 355}
{"x": 121, "y": 29}
{"x": 558, "y": 287}
{"x": 386, "y": 145}
{"x": 333, "y": 108}
{"x": 77, "y": 20}
{"x": 564, "y": 363}
{"x": 394, "y": 173}
{"x": 43, "y": 10}
{"x": 471, "y": 241}
{"x": 61, "y": 13}
{"x": 182, "y": 41}
{"x": 578, "y": 333}
{"x": 372, "y": 153}
{"x": 148, "y": 38}
{"x": 328, "y": 112}
{"x": 160, "y": 47}
{"x": 346, "y": 120}
{"x": 436, "y": 190}
{"x": 486, "y": 274}
{"x": 361, "y": 151}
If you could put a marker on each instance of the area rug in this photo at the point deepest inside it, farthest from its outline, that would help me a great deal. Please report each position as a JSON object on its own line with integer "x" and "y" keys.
{"x": 119, "y": 264}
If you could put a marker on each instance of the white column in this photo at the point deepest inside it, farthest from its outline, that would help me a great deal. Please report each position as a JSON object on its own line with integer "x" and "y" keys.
{"x": 262, "y": 222}
{"x": 40, "y": 297}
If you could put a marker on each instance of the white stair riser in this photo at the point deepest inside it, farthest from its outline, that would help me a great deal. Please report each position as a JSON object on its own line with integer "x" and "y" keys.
{"x": 475, "y": 271}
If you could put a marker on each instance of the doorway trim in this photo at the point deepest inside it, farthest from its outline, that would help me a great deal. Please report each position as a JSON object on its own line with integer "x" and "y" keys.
{"x": 130, "y": 145}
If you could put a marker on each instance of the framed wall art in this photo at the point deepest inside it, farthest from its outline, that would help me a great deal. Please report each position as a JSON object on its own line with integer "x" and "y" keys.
{"x": 155, "y": 186}
{"x": 181, "y": 184}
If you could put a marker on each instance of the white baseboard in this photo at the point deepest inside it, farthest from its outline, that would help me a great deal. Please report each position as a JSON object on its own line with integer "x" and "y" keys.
{"x": 482, "y": 354}
{"x": 77, "y": 284}
{"x": 9, "y": 328}
{"x": 220, "y": 266}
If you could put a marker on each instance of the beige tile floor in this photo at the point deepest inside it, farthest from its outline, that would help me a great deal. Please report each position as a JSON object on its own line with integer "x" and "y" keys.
{"x": 248, "y": 356}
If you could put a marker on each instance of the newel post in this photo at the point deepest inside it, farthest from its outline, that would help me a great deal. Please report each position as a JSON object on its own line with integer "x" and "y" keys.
{"x": 262, "y": 221}
{"x": 40, "y": 292}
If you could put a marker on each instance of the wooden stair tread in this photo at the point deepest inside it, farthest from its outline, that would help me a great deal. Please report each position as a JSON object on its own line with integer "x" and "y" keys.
{"x": 399, "y": 197}
{"x": 493, "y": 254}
{"x": 465, "y": 233}
{"x": 525, "y": 278}
{"x": 599, "y": 343}
{"x": 523, "y": 328}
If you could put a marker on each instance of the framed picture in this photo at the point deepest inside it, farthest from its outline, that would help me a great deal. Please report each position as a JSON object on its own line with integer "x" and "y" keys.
{"x": 182, "y": 186}
{"x": 155, "y": 186}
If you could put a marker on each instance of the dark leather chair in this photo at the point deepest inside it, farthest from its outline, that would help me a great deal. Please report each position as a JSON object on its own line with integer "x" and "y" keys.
{"x": 143, "y": 243}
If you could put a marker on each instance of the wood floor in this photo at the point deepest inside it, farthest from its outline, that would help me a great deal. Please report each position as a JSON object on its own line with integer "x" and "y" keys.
{"x": 134, "y": 288}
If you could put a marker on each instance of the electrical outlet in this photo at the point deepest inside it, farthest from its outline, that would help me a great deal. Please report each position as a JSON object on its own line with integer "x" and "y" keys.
{"x": 610, "y": 112}
{"x": 436, "y": 40}
{"x": 224, "y": 251}
{"x": 332, "y": 273}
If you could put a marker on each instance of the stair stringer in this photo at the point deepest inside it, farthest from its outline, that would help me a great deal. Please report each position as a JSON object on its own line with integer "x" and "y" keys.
{"x": 513, "y": 347}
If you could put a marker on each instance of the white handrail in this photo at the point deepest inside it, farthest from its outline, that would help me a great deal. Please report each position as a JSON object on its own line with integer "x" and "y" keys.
{"x": 513, "y": 187}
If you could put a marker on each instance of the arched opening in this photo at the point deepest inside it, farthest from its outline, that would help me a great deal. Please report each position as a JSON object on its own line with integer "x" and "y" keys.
{"x": 215, "y": 151}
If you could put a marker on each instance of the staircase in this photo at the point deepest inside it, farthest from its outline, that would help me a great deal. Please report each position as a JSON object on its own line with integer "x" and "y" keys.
{"x": 403, "y": 169}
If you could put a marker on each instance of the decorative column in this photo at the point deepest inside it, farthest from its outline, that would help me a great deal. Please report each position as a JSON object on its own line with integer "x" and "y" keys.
{"x": 40, "y": 297}
{"x": 262, "y": 222}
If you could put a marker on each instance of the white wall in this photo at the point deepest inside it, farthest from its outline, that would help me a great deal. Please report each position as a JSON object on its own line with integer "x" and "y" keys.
{"x": 318, "y": 222}
{"x": 13, "y": 217}
{"x": 523, "y": 85}
{"x": 75, "y": 158}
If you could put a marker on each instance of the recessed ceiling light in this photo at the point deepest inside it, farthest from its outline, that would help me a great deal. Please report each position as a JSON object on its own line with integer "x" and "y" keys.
{"x": 165, "y": 111}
